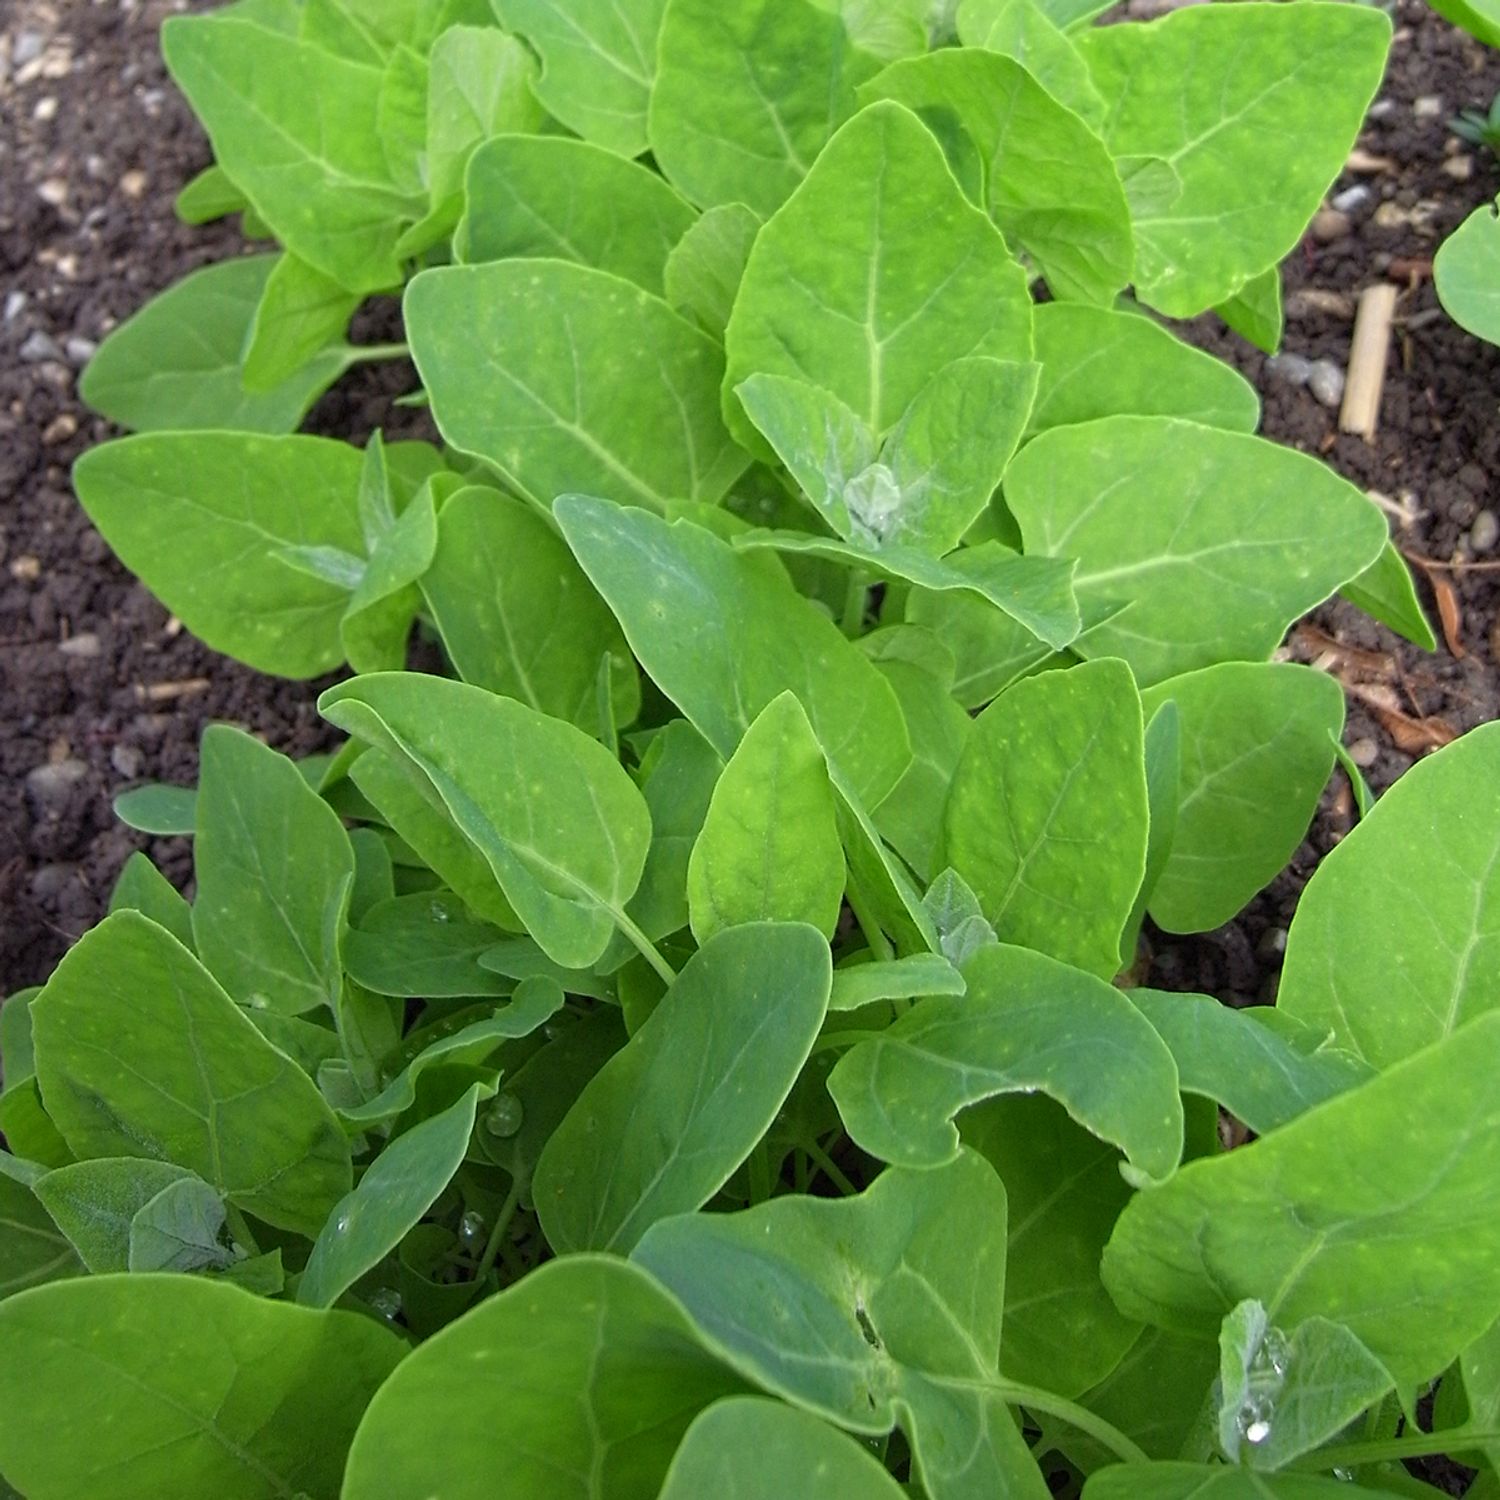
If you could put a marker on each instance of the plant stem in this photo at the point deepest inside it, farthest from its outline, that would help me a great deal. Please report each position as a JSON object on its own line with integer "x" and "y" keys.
{"x": 830, "y": 1169}
{"x": 854, "y": 603}
{"x": 1416, "y": 1445}
{"x": 879, "y": 944}
{"x": 646, "y": 948}
{"x": 364, "y": 354}
{"x": 502, "y": 1223}
{"x": 1065, "y": 1411}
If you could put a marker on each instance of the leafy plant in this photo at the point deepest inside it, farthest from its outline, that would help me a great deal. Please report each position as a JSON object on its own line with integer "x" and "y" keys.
{"x": 1479, "y": 127}
{"x": 695, "y": 1044}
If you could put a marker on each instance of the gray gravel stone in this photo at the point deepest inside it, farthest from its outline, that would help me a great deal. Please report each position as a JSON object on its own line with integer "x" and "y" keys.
{"x": 1326, "y": 382}
{"x": 39, "y": 348}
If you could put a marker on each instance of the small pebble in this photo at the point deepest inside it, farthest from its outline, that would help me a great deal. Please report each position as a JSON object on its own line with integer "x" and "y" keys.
{"x": 1326, "y": 382}
{"x": 1272, "y": 945}
{"x": 53, "y": 783}
{"x": 1392, "y": 216}
{"x": 15, "y": 305}
{"x": 1485, "y": 531}
{"x": 1351, "y": 198}
{"x": 80, "y": 350}
{"x": 1364, "y": 753}
{"x": 127, "y": 761}
{"x": 39, "y": 348}
{"x": 1330, "y": 224}
{"x": 133, "y": 183}
{"x": 60, "y": 429}
{"x": 53, "y": 191}
{"x": 84, "y": 645}
{"x": 51, "y": 880}
{"x": 1459, "y": 168}
{"x": 1382, "y": 109}
{"x": 1428, "y": 107}
{"x": 1292, "y": 368}
{"x": 46, "y": 110}
{"x": 28, "y": 47}
{"x": 26, "y": 569}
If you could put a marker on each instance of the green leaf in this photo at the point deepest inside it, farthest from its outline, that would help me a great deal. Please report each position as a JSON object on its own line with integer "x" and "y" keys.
{"x": 1255, "y": 311}
{"x": 1256, "y": 752}
{"x": 598, "y": 64}
{"x": 1029, "y": 33}
{"x": 208, "y": 196}
{"x": 179, "y": 362}
{"x": 916, "y": 278}
{"x": 908, "y": 978}
{"x": 212, "y": 523}
{"x": 143, "y": 888}
{"x": 1038, "y": 170}
{"x": 956, "y": 917}
{"x": 1157, "y": 1396}
{"x": 666, "y": 1121}
{"x": 426, "y": 944}
{"x": 1466, "y": 271}
{"x": 32, "y": 1251}
{"x": 747, "y": 1448}
{"x": 1027, "y": 1024}
{"x": 1191, "y": 134}
{"x": 297, "y": 129}
{"x": 747, "y": 96}
{"x": 1180, "y": 1481}
{"x": 1173, "y": 523}
{"x": 769, "y": 850}
{"x": 991, "y": 649}
{"x": 378, "y": 621}
{"x": 95, "y": 1202}
{"x": 258, "y": 1399}
{"x": 1386, "y": 591}
{"x": 596, "y": 1408}
{"x": 707, "y": 264}
{"x": 1299, "y": 1221}
{"x": 274, "y": 870}
{"x": 1097, "y": 362}
{"x": 400, "y": 1186}
{"x": 557, "y": 819}
{"x": 546, "y": 196}
{"x": 180, "y": 1230}
{"x": 166, "y": 811}
{"x": 518, "y": 616}
{"x": 1163, "y": 747}
{"x": 1047, "y": 815}
{"x": 301, "y": 313}
{"x": 722, "y": 634}
{"x": 1393, "y": 942}
{"x": 139, "y": 1052}
{"x": 17, "y": 1062}
{"x": 567, "y": 378}
{"x": 871, "y": 1311}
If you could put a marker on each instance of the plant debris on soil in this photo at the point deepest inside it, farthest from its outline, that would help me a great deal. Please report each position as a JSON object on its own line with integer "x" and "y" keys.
{"x": 103, "y": 690}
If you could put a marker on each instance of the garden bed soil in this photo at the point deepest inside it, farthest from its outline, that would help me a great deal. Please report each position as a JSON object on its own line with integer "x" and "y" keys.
{"x": 102, "y": 690}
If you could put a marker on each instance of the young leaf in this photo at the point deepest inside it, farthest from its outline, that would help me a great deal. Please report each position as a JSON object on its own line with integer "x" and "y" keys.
{"x": 748, "y": 1448}
{"x": 165, "y": 811}
{"x": 548, "y": 196}
{"x": 426, "y": 944}
{"x": 139, "y": 1052}
{"x": 722, "y": 635}
{"x": 1028, "y": 160}
{"x": 1027, "y": 1024}
{"x": 209, "y": 196}
{"x": 1097, "y": 362}
{"x": 1191, "y": 135}
{"x": 557, "y": 819}
{"x": 274, "y": 868}
{"x": 769, "y": 850}
{"x": 143, "y": 888}
{"x": 1255, "y": 311}
{"x": 179, "y": 1229}
{"x": 598, "y": 64}
{"x": 517, "y": 614}
{"x": 834, "y": 1306}
{"x": 1173, "y": 523}
{"x": 992, "y": 650}
{"x": 666, "y": 1121}
{"x": 955, "y": 913}
{"x": 1029, "y": 33}
{"x": 595, "y": 1408}
{"x": 1407, "y": 1258}
{"x": 1047, "y": 815}
{"x": 258, "y": 1399}
{"x": 301, "y": 313}
{"x": 1393, "y": 942}
{"x": 872, "y": 313}
{"x": 179, "y": 362}
{"x": 894, "y": 979}
{"x": 212, "y": 522}
{"x": 32, "y": 1250}
{"x": 1466, "y": 272}
{"x": 567, "y": 378}
{"x": 1256, "y": 742}
{"x": 1163, "y": 747}
{"x": 707, "y": 264}
{"x": 1385, "y": 590}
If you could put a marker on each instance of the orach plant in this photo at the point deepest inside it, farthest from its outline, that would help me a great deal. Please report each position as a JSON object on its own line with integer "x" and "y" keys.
{"x": 696, "y": 1048}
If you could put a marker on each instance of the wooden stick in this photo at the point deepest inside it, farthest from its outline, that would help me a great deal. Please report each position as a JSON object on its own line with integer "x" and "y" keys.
{"x": 1368, "y": 352}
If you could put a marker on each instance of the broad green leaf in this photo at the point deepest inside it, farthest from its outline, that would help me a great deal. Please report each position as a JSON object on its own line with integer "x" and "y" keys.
{"x": 1035, "y": 167}
{"x": 1047, "y": 815}
{"x": 30, "y": 1132}
{"x": 748, "y": 1448}
{"x": 1386, "y": 591}
{"x": 1255, "y": 311}
{"x": 165, "y": 811}
{"x": 666, "y": 1121}
{"x": 546, "y": 196}
{"x": 555, "y": 816}
{"x": 274, "y": 869}
{"x": 139, "y": 1052}
{"x": 1097, "y": 362}
{"x": 1300, "y": 1222}
{"x": 518, "y": 616}
{"x": 568, "y": 378}
{"x": 870, "y": 1311}
{"x": 1026, "y": 1025}
{"x": 301, "y": 313}
{"x": 596, "y": 1408}
{"x": 1157, "y": 1396}
{"x": 1394, "y": 942}
{"x": 1215, "y": 199}
{"x": 212, "y": 523}
{"x": 1163, "y": 747}
{"x": 1260, "y": 1064}
{"x": 17, "y": 1060}
{"x": 179, "y": 362}
{"x": 400, "y": 1186}
{"x": 914, "y": 278}
{"x": 1256, "y": 742}
{"x": 769, "y": 850}
{"x": 1283, "y": 1394}
{"x": 297, "y": 129}
{"x": 32, "y": 1248}
{"x": 1173, "y": 523}
{"x": 384, "y": 25}
{"x": 208, "y": 196}
{"x": 706, "y": 266}
{"x": 426, "y": 944}
{"x": 143, "y": 888}
{"x": 1062, "y": 1331}
{"x": 722, "y": 634}
{"x": 1466, "y": 271}
{"x": 203, "y": 1389}
{"x": 1029, "y": 33}
{"x": 180, "y": 1229}
{"x": 747, "y": 96}
{"x": 992, "y": 650}
{"x": 1182, "y": 1481}
{"x": 894, "y": 979}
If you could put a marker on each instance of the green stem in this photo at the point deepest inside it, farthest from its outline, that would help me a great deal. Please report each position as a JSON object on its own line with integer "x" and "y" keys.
{"x": 646, "y": 948}
{"x": 1417, "y": 1445}
{"x": 1070, "y": 1412}
{"x": 760, "y": 1175}
{"x": 855, "y": 600}
{"x": 830, "y": 1169}
{"x": 239, "y": 1230}
{"x": 497, "y": 1234}
{"x": 880, "y": 945}
{"x": 364, "y": 354}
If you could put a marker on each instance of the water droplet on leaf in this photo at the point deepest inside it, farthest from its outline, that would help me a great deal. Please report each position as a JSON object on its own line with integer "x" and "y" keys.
{"x": 504, "y": 1117}
{"x": 386, "y": 1300}
{"x": 471, "y": 1230}
{"x": 439, "y": 912}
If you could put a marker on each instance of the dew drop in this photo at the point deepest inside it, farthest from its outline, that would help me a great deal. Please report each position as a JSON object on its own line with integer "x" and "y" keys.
{"x": 258, "y": 1002}
{"x": 504, "y": 1117}
{"x": 439, "y": 912}
{"x": 386, "y": 1300}
{"x": 471, "y": 1231}
{"x": 341, "y": 1224}
{"x": 1258, "y": 1432}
